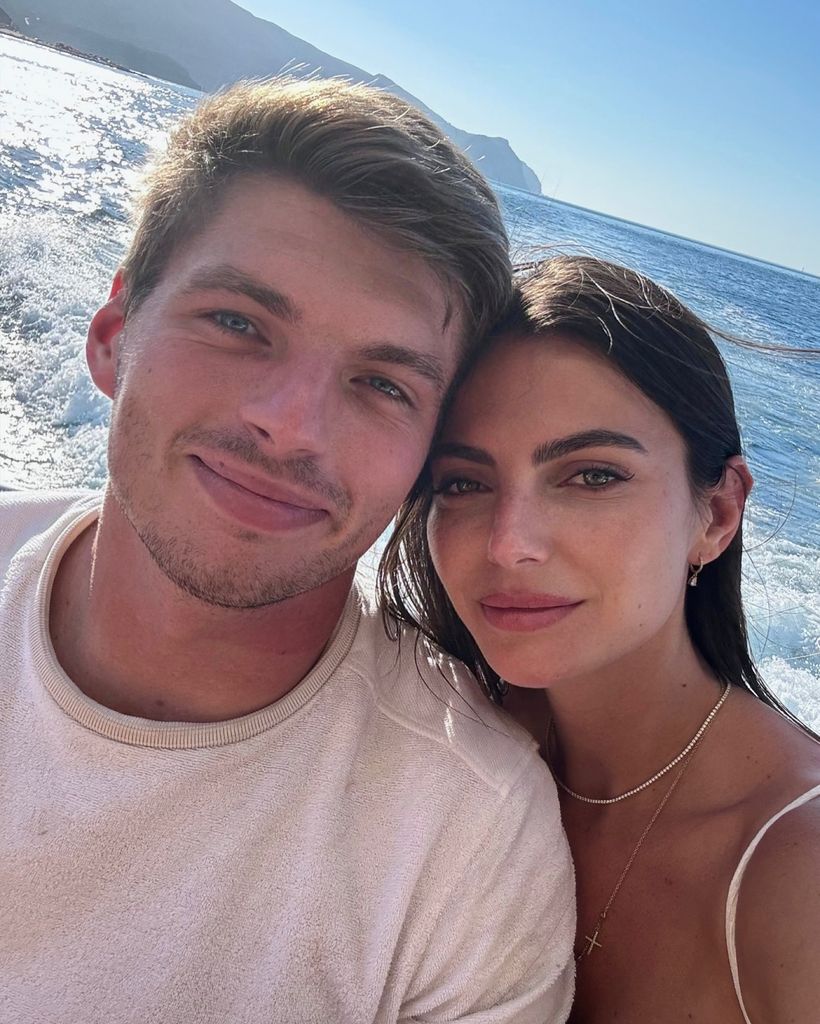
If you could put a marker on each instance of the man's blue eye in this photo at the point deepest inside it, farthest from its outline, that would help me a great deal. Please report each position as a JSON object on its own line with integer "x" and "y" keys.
{"x": 387, "y": 387}
{"x": 233, "y": 322}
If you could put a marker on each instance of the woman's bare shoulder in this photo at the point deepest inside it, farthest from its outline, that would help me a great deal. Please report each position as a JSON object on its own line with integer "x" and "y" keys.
{"x": 774, "y": 755}
{"x": 778, "y": 917}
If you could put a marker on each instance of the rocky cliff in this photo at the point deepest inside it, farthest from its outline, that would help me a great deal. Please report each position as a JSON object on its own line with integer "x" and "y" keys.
{"x": 210, "y": 43}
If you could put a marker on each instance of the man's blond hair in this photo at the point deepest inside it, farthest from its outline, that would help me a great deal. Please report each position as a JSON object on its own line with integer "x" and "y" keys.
{"x": 374, "y": 156}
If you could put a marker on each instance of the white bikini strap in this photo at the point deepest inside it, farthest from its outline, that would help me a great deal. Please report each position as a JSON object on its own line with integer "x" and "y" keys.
{"x": 734, "y": 889}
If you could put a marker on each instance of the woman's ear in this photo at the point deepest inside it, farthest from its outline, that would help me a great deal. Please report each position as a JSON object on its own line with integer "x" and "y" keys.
{"x": 103, "y": 338}
{"x": 723, "y": 511}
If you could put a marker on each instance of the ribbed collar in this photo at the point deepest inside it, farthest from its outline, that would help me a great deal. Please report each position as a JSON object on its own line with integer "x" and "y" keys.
{"x": 144, "y": 732}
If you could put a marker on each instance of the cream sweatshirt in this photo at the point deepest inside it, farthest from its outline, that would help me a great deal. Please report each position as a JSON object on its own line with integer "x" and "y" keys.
{"x": 379, "y": 845}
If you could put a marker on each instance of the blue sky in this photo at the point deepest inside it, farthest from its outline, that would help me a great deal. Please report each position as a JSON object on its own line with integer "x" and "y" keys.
{"x": 694, "y": 117}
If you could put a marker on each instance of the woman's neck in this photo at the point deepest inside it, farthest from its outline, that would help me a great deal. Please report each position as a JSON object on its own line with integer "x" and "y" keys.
{"x": 613, "y": 729}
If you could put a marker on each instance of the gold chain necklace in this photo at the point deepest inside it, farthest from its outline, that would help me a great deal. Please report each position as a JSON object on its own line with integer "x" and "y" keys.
{"x": 690, "y": 746}
{"x": 592, "y": 940}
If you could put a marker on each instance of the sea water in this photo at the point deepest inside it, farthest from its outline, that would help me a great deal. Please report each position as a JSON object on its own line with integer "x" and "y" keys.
{"x": 73, "y": 135}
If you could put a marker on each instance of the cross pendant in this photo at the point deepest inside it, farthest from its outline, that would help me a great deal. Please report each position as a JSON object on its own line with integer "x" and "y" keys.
{"x": 592, "y": 942}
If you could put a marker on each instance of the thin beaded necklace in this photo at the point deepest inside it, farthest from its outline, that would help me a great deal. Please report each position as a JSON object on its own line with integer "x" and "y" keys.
{"x": 591, "y": 941}
{"x": 644, "y": 785}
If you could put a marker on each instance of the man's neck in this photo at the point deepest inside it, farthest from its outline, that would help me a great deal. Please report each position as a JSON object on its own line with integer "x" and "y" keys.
{"x": 134, "y": 642}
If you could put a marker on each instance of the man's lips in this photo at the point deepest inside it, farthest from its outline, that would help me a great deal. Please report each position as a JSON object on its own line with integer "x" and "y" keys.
{"x": 521, "y": 613}
{"x": 273, "y": 490}
{"x": 257, "y": 503}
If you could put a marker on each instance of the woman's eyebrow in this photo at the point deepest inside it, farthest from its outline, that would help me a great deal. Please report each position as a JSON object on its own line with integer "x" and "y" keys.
{"x": 585, "y": 439}
{"x": 544, "y": 452}
{"x": 462, "y": 451}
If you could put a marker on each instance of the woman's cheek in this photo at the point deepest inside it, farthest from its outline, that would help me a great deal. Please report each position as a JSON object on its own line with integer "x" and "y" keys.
{"x": 452, "y": 535}
{"x": 436, "y": 540}
{"x": 652, "y": 584}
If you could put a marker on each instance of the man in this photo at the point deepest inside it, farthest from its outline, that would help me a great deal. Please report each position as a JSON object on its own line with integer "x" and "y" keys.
{"x": 227, "y": 795}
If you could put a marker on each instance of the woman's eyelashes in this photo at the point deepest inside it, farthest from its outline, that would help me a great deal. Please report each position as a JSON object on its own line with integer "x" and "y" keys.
{"x": 597, "y": 477}
{"x": 589, "y": 478}
{"x": 457, "y": 486}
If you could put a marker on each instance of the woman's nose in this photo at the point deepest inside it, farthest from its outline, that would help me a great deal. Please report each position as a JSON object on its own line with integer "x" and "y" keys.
{"x": 519, "y": 534}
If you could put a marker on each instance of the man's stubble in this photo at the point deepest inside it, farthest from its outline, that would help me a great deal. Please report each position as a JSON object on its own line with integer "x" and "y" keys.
{"x": 236, "y": 583}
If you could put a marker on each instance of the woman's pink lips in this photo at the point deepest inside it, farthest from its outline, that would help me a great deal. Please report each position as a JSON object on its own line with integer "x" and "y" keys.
{"x": 253, "y": 510}
{"x": 523, "y": 613}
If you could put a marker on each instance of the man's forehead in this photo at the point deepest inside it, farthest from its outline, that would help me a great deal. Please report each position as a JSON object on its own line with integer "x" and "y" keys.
{"x": 266, "y": 224}
{"x": 286, "y": 238}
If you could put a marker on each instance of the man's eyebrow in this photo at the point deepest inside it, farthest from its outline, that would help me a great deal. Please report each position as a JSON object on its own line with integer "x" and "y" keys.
{"x": 426, "y": 366}
{"x": 462, "y": 451}
{"x": 584, "y": 439}
{"x": 227, "y": 278}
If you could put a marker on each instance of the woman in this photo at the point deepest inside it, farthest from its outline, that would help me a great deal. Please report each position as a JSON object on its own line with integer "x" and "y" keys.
{"x": 578, "y": 534}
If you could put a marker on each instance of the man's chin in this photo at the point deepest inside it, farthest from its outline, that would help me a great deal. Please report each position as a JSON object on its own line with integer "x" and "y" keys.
{"x": 239, "y": 583}
{"x": 237, "y": 569}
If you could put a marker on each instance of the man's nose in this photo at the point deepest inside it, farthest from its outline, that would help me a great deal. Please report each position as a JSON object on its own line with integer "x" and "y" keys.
{"x": 519, "y": 533}
{"x": 291, "y": 410}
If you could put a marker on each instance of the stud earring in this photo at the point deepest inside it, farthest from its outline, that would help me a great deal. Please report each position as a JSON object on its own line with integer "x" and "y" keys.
{"x": 694, "y": 572}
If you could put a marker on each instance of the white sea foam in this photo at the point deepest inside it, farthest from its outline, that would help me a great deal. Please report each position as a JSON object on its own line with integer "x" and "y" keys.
{"x": 52, "y": 279}
{"x": 782, "y": 601}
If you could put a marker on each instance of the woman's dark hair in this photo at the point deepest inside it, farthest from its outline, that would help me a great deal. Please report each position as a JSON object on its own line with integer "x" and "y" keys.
{"x": 667, "y": 352}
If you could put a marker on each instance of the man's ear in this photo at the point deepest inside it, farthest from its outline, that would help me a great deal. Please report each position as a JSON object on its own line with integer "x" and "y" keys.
{"x": 103, "y": 338}
{"x": 723, "y": 512}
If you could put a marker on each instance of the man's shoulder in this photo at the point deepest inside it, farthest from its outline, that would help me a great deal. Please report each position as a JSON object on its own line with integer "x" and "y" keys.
{"x": 437, "y": 702}
{"x": 27, "y": 514}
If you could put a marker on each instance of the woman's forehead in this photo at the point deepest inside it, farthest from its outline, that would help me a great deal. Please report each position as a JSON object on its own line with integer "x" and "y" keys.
{"x": 547, "y": 387}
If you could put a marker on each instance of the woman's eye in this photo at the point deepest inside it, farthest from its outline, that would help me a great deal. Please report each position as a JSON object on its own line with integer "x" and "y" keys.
{"x": 387, "y": 387}
{"x": 457, "y": 486}
{"x": 234, "y": 323}
{"x": 597, "y": 478}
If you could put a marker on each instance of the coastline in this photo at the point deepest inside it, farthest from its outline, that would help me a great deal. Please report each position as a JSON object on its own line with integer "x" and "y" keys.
{"x": 71, "y": 51}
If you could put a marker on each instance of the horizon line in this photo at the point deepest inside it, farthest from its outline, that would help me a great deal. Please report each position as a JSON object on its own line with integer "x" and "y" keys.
{"x": 662, "y": 231}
